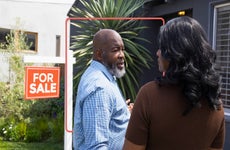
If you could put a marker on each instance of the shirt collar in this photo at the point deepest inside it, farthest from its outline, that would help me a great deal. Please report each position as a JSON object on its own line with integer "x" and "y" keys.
{"x": 102, "y": 68}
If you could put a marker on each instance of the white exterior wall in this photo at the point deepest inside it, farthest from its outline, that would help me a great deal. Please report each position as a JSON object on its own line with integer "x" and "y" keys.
{"x": 45, "y": 17}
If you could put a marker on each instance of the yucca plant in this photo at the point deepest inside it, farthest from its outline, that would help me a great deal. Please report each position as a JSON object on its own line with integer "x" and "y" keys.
{"x": 137, "y": 56}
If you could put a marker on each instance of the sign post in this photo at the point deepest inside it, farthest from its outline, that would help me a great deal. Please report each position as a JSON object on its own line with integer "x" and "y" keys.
{"x": 69, "y": 60}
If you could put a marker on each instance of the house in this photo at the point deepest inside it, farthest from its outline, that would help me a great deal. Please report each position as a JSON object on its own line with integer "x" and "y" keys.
{"x": 43, "y": 22}
{"x": 213, "y": 15}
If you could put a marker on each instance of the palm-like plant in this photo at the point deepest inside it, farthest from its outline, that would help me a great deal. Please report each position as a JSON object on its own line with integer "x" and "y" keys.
{"x": 137, "y": 56}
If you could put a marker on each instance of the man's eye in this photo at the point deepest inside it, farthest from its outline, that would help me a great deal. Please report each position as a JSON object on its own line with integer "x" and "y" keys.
{"x": 117, "y": 49}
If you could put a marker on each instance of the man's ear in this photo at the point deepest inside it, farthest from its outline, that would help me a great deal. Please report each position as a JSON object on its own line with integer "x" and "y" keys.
{"x": 99, "y": 54}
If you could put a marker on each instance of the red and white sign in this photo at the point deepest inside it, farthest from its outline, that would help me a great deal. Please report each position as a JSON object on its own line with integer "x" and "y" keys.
{"x": 42, "y": 82}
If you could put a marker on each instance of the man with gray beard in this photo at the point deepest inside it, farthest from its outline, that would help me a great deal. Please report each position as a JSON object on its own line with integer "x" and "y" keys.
{"x": 101, "y": 114}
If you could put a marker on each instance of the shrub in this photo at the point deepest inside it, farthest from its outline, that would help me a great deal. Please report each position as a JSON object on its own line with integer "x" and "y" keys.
{"x": 6, "y": 132}
{"x": 38, "y": 130}
{"x": 57, "y": 128}
{"x": 18, "y": 131}
{"x": 12, "y": 130}
{"x": 33, "y": 135}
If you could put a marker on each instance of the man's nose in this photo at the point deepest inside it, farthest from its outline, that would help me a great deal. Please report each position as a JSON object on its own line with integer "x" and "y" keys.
{"x": 121, "y": 53}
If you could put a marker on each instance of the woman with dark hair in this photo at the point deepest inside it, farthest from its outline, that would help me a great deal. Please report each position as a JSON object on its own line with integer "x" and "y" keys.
{"x": 181, "y": 110}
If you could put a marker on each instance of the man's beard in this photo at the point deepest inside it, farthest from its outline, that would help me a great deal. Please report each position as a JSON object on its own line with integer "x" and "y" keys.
{"x": 115, "y": 71}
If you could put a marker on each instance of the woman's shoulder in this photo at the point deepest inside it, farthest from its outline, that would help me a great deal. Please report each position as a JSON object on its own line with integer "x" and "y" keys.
{"x": 150, "y": 87}
{"x": 150, "y": 84}
{"x": 154, "y": 87}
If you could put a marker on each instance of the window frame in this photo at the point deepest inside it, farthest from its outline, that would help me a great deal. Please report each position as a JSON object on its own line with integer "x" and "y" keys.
{"x": 34, "y": 34}
{"x": 214, "y": 45}
{"x": 36, "y": 40}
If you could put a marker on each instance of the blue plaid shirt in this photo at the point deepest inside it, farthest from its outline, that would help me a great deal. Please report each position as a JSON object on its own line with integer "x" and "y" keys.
{"x": 101, "y": 114}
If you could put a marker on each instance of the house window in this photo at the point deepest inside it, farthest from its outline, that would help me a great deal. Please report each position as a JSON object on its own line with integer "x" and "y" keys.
{"x": 58, "y": 45}
{"x": 31, "y": 37}
{"x": 222, "y": 47}
{"x": 3, "y": 34}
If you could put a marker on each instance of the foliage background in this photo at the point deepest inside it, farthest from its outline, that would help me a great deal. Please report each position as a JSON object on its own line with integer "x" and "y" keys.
{"x": 137, "y": 56}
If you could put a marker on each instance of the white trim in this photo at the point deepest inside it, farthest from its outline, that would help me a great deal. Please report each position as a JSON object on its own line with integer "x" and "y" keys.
{"x": 44, "y": 1}
{"x": 43, "y": 59}
{"x": 221, "y": 5}
{"x": 214, "y": 29}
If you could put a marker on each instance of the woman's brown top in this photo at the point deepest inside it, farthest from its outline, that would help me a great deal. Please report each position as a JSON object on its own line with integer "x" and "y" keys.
{"x": 157, "y": 121}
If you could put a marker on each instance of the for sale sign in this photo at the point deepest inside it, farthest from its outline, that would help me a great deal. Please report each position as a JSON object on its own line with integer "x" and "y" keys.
{"x": 42, "y": 82}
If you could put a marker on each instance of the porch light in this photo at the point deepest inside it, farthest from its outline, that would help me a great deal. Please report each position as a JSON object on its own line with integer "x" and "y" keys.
{"x": 181, "y": 13}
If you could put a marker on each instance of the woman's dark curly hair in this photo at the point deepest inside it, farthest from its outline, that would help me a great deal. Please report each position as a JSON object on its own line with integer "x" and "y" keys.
{"x": 183, "y": 42}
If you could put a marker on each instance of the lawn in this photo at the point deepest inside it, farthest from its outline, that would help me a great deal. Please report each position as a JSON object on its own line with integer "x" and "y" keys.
{"x": 30, "y": 146}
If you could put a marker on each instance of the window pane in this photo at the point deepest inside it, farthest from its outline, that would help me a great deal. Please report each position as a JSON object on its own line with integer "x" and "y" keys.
{"x": 31, "y": 38}
{"x": 223, "y": 50}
